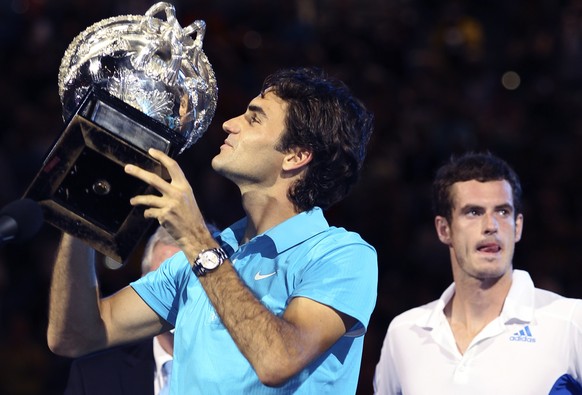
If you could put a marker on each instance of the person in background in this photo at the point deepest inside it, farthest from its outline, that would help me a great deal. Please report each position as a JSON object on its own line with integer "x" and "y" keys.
{"x": 278, "y": 302}
{"x": 138, "y": 368}
{"x": 491, "y": 331}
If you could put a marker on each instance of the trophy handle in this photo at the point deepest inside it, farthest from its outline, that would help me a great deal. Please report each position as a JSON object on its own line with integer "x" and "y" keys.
{"x": 172, "y": 40}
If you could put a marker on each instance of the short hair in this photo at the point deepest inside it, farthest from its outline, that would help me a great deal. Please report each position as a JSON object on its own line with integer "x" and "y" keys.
{"x": 481, "y": 167}
{"x": 161, "y": 235}
{"x": 324, "y": 117}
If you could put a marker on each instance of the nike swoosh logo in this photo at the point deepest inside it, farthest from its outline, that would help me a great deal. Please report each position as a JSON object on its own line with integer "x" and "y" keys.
{"x": 260, "y": 276}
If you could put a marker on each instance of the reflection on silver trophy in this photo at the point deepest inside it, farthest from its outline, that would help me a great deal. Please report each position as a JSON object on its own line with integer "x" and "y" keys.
{"x": 127, "y": 84}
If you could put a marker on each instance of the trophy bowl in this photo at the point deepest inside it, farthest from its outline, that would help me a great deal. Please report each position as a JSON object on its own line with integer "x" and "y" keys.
{"x": 154, "y": 65}
{"x": 126, "y": 84}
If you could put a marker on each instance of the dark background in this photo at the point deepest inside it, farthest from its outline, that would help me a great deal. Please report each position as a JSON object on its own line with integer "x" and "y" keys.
{"x": 437, "y": 74}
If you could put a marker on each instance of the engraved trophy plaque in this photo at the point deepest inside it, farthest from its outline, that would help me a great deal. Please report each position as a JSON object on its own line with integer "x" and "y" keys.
{"x": 126, "y": 84}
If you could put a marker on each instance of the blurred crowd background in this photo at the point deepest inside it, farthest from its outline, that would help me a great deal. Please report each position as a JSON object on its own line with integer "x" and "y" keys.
{"x": 442, "y": 76}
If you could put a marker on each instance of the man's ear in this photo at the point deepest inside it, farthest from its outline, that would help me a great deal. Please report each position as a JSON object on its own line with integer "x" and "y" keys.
{"x": 443, "y": 229}
{"x": 296, "y": 159}
{"x": 518, "y": 227}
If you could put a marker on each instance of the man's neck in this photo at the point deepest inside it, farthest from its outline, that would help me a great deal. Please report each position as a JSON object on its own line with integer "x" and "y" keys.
{"x": 264, "y": 212}
{"x": 473, "y": 306}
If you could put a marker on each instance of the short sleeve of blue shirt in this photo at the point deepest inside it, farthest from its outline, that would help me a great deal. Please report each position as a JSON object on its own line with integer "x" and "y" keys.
{"x": 341, "y": 272}
{"x": 160, "y": 287}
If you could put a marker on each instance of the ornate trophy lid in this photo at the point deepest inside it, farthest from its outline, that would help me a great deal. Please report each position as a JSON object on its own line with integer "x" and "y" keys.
{"x": 154, "y": 65}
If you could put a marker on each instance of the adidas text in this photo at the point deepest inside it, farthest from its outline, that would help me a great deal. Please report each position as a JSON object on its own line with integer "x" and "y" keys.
{"x": 522, "y": 339}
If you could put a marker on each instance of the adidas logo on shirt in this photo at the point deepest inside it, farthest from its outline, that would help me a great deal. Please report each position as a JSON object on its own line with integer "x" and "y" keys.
{"x": 523, "y": 335}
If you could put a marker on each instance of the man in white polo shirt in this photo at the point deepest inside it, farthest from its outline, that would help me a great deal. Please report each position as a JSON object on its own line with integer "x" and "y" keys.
{"x": 491, "y": 332}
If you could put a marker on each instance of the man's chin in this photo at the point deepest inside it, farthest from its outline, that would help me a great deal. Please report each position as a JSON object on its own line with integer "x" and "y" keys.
{"x": 492, "y": 274}
{"x": 215, "y": 163}
{"x": 219, "y": 167}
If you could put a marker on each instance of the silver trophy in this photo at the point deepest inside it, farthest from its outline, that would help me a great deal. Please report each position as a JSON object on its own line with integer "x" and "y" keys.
{"x": 126, "y": 84}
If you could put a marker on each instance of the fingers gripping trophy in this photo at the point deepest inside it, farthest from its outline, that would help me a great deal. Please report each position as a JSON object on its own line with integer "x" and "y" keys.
{"x": 126, "y": 84}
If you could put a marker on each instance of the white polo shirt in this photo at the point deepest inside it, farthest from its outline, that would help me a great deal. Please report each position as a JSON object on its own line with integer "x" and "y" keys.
{"x": 160, "y": 357}
{"x": 536, "y": 339}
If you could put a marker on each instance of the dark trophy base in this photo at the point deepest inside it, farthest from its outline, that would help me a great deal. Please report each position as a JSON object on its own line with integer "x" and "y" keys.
{"x": 82, "y": 186}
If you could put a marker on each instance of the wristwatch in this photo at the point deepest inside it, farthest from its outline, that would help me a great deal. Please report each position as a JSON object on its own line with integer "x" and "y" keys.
{"x": 208, "y": 261}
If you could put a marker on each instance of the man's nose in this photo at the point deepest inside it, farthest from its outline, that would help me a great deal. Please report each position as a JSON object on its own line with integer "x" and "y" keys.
{"x": 231, "y": 126}
{"x": 490, "y": 223}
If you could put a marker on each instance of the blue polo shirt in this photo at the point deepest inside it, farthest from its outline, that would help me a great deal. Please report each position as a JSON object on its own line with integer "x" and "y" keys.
{"x": 302, "y": 256}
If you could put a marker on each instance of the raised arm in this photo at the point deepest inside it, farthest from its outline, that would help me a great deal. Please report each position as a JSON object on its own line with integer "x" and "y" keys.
{"x": 79, "y": 321}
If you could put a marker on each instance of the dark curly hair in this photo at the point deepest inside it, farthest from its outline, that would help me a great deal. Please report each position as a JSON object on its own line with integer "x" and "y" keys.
{"x": 482, "y": 167}
{"x": 324, "y": 117}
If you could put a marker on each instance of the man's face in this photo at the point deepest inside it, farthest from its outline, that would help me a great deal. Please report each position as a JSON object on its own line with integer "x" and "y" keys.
{"x": 483, "y": 229}
{"x": 160, "y": 253}
{"x": 248, "y": 156}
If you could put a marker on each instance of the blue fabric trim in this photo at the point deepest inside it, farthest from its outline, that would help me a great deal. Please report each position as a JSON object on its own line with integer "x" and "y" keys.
{"x": 566, "y": 385}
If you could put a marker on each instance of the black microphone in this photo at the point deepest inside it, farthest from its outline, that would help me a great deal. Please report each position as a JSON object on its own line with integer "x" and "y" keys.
{"x": 20, "y": 220}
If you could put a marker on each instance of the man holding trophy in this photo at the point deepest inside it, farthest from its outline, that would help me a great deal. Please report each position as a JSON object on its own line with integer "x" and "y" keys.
{"x": 276, "y": 303}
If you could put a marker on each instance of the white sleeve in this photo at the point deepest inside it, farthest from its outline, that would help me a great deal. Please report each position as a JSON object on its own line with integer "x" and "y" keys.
{"x": 577, "y": 341}
{"x": 386, "y": 380}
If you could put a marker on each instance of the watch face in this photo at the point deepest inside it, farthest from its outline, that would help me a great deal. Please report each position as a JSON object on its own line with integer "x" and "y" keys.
{"x": 209, "y": 260}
